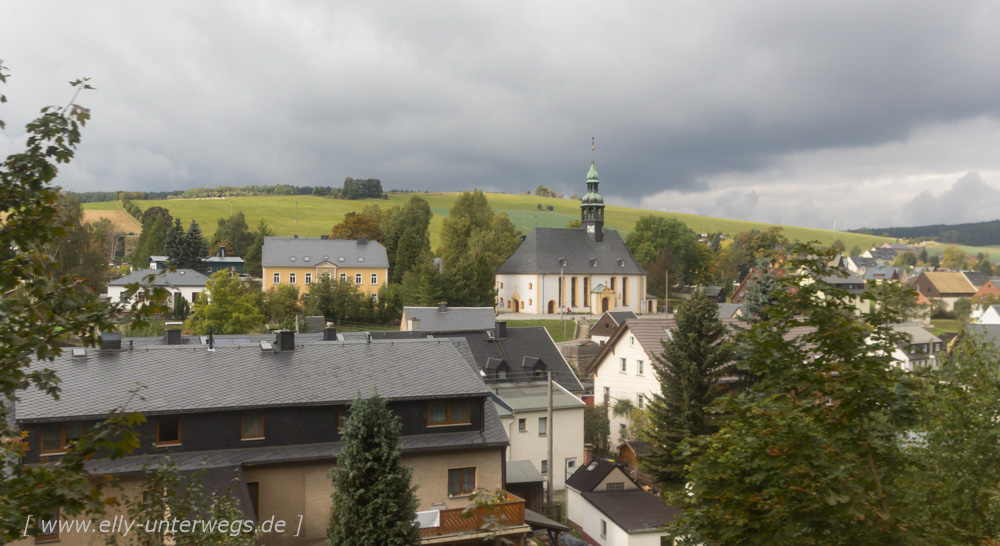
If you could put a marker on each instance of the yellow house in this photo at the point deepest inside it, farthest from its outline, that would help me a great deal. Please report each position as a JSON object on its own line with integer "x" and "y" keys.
{"x": 301, "y": 261}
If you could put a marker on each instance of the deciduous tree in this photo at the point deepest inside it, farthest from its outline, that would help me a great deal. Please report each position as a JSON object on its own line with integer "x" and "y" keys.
{"x": 48, "y": 308}
{"x": 229, "y": 307}
{"x": 953, "y": 258}
{"x": 357, "y": 225}
{"x": 814, "y": 453}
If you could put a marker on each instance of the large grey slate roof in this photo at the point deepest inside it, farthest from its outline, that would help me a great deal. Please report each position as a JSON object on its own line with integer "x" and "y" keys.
{"x": 452, "y": 318}
{"x": 164, "y": 277}
{"x": 544, "y": 247}
{"x": 518, "y": 349}
{"x": 188, "y": 378}
{"x": 279, "y": 251}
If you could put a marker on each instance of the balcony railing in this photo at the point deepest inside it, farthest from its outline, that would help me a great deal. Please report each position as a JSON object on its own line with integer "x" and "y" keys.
{"x": 506, "y": 513}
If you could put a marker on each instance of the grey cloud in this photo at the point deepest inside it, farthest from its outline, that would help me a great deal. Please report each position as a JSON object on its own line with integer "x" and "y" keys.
{"x": 969, "y": 199}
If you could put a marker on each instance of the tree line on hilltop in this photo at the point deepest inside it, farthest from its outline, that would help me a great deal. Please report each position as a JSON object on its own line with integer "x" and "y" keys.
{"x": 971, "y": 234}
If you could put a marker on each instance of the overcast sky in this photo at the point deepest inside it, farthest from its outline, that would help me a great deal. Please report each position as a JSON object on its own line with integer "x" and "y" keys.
{"x": 801, "y": 113}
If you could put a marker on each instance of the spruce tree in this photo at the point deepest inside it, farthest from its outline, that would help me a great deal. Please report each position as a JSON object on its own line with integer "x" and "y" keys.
{"x": 694, "y": 358}
{"x": 173, "y": 245}
{"x": 373, "y": 501}
{"x": 194, "y": 248}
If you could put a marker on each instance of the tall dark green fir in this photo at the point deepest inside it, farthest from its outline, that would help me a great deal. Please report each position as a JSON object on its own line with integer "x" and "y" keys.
{"x": 373, "y": 502}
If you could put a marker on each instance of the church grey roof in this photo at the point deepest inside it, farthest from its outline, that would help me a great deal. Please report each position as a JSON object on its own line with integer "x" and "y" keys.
{"x": 189, "y": 378}
{"x": 164, "y": 277}
{"x": 543, "y": 249}
{"x": 306, "y": 251}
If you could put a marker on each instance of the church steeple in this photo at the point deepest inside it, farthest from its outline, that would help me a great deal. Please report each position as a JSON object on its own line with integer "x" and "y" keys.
{"x": 592, "y": 207}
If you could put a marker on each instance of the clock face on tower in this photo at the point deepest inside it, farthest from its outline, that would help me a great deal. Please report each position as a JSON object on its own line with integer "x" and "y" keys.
{"x": 590, "y": 228}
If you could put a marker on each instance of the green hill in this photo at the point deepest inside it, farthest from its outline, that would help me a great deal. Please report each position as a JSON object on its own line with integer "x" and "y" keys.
{"x": 312, "y": 216}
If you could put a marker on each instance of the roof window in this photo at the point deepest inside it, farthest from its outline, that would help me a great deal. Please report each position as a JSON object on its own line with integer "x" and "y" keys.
{"x": 292, "y": 259}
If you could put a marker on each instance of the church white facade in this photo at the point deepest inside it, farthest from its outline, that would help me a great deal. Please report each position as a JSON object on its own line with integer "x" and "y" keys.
{"x": 582, "y": 270}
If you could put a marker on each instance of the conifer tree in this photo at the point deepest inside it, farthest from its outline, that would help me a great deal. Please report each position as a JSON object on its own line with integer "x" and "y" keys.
{"x": 373, "y": 501}
{"x": 694, "y": 357}
{"x": 195, "y": 248}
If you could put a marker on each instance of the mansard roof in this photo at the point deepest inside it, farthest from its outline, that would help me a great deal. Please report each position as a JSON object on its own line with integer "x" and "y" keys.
{"x": 544, "y": 249}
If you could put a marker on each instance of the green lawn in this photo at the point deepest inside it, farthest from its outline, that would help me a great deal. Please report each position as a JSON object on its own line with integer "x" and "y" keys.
{"x": 945, "y": 326}
{"x": 555, "y": 327}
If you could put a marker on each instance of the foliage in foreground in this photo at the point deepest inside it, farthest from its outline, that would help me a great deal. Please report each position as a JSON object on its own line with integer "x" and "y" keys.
{"x": 813, "y": 453}
{"x": 50, "y": 305}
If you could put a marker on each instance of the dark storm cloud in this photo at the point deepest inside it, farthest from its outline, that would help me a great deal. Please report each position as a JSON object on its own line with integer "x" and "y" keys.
{"x": 505, "y": 96}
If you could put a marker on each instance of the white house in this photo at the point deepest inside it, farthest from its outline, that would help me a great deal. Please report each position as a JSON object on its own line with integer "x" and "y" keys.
{"x": 523, "y": 410}
{"x": 608, "y": 508}
{"x": 584, "y": 270}
{"x": 185, "y": 282}
{"x": 922, "y": 350}
{"x": 991, "y": 315}
{"x": 623, "y": 369}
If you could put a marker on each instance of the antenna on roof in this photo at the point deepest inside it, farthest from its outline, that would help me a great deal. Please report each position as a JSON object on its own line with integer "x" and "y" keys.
{"x": 211, "y": 341}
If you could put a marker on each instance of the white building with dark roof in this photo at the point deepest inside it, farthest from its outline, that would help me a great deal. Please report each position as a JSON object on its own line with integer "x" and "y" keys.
{"x": 583, "y": 270}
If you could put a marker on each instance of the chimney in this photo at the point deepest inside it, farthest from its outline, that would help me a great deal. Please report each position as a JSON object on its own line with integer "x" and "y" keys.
{"x": 414, "y": 325}
{"x": 362, "y": 240}
{"x": 111, "y": 341}
{"x": 324, "y": 237}
{"x": 330, "y": 332}
{"x": 296, "y": 236}
{"x": 443, "y": 307}
{"x": 172, "y": 333}
{"x": 501, "y": 329}
{"x": 523, "y": 237}
{"x": 222, "y": 252}
{"x": 285, "y": 340}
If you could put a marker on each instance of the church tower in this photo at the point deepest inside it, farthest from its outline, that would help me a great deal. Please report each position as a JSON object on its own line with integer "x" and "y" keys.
{"x": 592, "y": 207}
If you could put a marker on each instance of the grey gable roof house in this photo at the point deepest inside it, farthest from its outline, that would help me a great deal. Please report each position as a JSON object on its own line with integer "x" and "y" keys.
{"x": 442, "y": 318}
{"x": 306, "y": 251}
{"x": 543, "y": 249}
{"x": 180, "y": 277}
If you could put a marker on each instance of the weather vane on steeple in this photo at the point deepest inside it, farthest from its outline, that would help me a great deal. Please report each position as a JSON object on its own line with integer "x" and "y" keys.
{"x": 591, "y": 148}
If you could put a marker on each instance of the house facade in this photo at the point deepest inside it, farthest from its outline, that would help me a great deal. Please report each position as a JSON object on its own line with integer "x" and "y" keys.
{"x": 579, "y": 270}
{"x": 601, "y": 331}
{"x": 921, "y": 351}
{"x": 272, "y": 414}
{"x": 181, "y": 282}
{"x": 524, "y": 413}
{"x": 946, "y": 287}
{"x": 302, "y": 261}
{"x": 623, "y": 369}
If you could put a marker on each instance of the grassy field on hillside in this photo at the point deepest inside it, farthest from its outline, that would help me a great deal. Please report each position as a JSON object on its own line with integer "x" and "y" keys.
{"x": 312, "y": 216}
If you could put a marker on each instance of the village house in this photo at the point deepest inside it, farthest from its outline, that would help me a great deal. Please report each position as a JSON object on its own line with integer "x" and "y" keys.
{"x": 578, "y": 270}
{"x": 523, "y": 409}
{"x": 921, "y": 351}
{"x": 222, "y": 262}
{"x": 947, "y": 287}
{"x": 443, "y": 318}
{"x": 302, "y": 261}
{"x": 609, "y": 508}
{"x": 186, "y": 283}
{"x": 601, "y": 331}
{"x": 271, "y": 413}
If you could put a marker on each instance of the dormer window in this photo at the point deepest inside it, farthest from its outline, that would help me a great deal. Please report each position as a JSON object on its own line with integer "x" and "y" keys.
{"x": 253, "y": 426}
{"x": 168, "y": 430}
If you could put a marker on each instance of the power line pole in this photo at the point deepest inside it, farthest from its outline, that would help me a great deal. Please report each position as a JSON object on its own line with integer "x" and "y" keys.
{"x": 550, "y": 431}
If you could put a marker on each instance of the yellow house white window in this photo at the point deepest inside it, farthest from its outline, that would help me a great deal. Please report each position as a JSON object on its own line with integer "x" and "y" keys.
{"x": 309, "y": 278}
{"x": 357, "y": 278}
{"x": 277, "y": 278}
{"x": 291, "y": 278}
{"x": 374, "y": 278}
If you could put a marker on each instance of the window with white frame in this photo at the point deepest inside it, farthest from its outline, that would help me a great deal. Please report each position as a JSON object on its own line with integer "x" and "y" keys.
{"x": 309, "y": 278}
{"x": 357, "y": 278}
{"x": 291, "y": 278}
{"x": 624, "y": 366}
{"x": 543, "y": 426}
{"x": 638, "y": 367}
{"x": 277, "y": 278}
{"x": 640, "y": 400}
{"x": 343, "y": 276}
{"x": 545, "y": 466}
{"x": 374, "y": 278}
{"x": 631, "y": 341}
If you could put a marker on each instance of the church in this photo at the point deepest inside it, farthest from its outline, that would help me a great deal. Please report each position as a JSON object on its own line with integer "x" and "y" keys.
{"x": 583, "y": 270}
